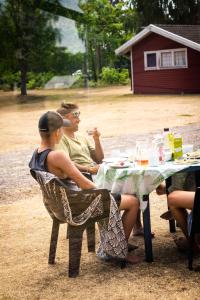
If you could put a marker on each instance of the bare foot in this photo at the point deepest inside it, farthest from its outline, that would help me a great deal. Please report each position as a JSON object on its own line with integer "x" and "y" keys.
{"x": 133, "y": 259}
{"x": 181, "y": 243}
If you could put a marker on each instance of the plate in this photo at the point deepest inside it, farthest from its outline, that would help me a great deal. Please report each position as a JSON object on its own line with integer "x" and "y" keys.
{"x": 120, "y": 166}
{"x": 186, "y": 161}
{"x": 113, "y": 160}
{"x": 193, "y": 155}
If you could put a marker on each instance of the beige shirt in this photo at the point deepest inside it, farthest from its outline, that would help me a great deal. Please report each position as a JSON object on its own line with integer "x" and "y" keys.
{"x": 79, "y": 148}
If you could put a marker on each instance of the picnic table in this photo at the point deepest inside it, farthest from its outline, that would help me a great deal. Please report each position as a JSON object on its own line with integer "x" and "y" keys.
{"x": 141, "y": 181}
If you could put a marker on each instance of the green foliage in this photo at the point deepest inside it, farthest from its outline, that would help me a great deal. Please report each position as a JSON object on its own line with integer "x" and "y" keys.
{"x": 106, "y": 29}
{"x": 109, "y": 76}
{"x": 28, "y": 36}
{"x": 165, "y": 12}
{"x": 79, "y": 83}
{"x": 38, "y": 80}
{"x": 34, "y": 80}
{"x": 123, "y": 76}
{"x": 114, "y": 76}
{"x": 10, "y": 79}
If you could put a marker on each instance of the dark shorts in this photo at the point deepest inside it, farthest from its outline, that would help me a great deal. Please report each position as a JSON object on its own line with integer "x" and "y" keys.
{"x": 117, "y": 198}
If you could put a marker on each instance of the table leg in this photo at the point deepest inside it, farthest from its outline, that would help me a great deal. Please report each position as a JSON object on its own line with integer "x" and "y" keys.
{"x": 172, "y": 224}
{"x": 147, "y": 231}
{"x": 197, "y": 178}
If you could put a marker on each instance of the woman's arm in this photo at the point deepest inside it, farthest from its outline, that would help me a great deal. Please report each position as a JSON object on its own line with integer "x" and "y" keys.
{"x": 61, "y": 165}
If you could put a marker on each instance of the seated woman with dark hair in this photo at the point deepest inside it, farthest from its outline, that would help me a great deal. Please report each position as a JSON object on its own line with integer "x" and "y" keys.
{"x": 45, "y": 158}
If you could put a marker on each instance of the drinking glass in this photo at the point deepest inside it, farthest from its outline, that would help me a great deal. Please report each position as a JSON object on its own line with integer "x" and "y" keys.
{"x": 142, "y": 155}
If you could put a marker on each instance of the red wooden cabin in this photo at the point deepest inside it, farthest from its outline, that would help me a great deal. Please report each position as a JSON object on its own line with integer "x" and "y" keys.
{"x": 164, "y": 59}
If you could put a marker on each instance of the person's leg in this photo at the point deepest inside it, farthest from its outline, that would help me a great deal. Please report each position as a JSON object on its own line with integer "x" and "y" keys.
{"x": 161, "y": 189}
{"x": 137, "y": 227}
{"x": 178, "y": 202}
{"x": 130, "y": 205}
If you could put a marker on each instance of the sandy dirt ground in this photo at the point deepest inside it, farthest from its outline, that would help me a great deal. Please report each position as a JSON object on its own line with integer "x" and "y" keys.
{"x": 25, "y": 225}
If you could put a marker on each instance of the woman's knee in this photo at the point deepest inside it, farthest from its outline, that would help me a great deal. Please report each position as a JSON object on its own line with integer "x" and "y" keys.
{"x": 181, "y": 199}
{"x": 171, "y": 199}
{"x": 129, "y": 202}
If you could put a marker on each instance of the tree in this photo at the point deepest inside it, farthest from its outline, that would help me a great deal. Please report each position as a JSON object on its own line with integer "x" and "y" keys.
{"x": 114, "y": 2}
{"x": 106, "y": 30}
{"x": 27, "y": 35}
{"x": 184, "y": 12}
{"x": 148, "y": 12}
{"x": 166, "y": 12}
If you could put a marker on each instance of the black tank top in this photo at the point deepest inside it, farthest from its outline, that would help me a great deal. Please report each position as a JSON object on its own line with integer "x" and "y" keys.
{"x": 39, "y": 160}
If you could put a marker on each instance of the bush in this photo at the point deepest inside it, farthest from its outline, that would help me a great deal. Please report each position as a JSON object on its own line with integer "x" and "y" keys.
{"x": 79, "y": 82}
{"x": 38, "y": 80}
{"x": 114, "y": 76}
{"x": 9, "y": 80}
{"x": 34, "y": 80}
{"x": 123, "y": 76}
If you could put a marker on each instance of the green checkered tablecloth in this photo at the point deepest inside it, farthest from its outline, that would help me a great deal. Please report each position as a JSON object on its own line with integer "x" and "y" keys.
{"x": 135, "y": 179}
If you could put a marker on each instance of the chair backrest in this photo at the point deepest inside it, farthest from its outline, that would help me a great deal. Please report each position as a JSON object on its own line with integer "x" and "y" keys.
{"x": 51, "y": 194}
{"x": 74, "y": 208}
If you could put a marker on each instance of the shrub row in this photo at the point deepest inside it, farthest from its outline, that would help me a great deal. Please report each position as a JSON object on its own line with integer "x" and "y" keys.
{"x": 109, "y": 76}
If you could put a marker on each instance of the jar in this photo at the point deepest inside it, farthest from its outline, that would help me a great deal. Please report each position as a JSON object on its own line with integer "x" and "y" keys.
{"x": 159, "y": 144}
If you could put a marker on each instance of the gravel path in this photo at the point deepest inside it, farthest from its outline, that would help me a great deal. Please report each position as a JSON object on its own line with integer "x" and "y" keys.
{"x": 14, "y": 170}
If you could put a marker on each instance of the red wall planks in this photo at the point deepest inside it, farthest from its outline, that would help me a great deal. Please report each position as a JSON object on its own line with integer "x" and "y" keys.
{"x": 167, "y": 80}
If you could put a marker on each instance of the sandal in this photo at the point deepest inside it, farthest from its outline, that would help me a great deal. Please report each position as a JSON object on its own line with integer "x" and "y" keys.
{"x": 167, "y": 215}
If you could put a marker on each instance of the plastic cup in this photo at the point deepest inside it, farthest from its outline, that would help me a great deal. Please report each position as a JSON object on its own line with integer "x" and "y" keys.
{"x": 90, "y": 132}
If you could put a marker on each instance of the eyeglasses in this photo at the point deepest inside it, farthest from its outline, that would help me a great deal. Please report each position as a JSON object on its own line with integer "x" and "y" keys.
{"x": 76, "y": 114}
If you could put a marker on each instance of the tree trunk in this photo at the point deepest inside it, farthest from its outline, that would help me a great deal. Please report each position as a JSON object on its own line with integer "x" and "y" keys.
{"x": 98, "y": 59}
{"x": 93, "y": 63}
{"x": 23, "y": 80}
{"x": 85, "y": 62}
{"x": 85, "y": 71}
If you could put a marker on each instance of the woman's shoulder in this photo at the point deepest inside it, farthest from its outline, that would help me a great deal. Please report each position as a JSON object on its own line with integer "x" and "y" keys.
{"x": 54, "y": 154}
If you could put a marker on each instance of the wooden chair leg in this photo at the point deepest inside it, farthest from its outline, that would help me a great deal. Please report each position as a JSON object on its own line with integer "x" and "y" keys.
{"x": 67, "y": 233}
{"x": 90, "y": 229}
{"x": 54, "y": 239}
{"x": 75, "y": 245}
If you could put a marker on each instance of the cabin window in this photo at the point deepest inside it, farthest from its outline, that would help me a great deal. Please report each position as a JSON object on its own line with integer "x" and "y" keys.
{"x": 165, "y": 59}
{"x": 180, "y": 58}
{"x": 151, "y": 60}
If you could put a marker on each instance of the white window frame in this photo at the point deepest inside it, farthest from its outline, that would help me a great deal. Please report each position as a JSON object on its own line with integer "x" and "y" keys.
{"x": 145, "y": 60}
{"x": 158, "y": 59}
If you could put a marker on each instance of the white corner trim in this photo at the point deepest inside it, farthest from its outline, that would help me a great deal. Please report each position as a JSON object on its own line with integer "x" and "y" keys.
{"x": 132, "y": 76}
{"x": 152, "y": 28}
